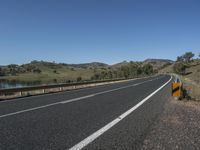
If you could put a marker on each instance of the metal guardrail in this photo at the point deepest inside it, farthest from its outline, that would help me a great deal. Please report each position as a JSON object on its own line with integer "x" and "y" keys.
{"x": 44, "y": 87}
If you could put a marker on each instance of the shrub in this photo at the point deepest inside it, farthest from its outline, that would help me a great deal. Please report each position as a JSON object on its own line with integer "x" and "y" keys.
{"x": 147, "y": 69}
{"x": 55, "y": 71}
{"x": 188, "y": 56}
{"x": 37, "y": 70}
{"x": 79, "y": 79}
{"x": 2, "y": 72}
{"x": 180, "y": 68}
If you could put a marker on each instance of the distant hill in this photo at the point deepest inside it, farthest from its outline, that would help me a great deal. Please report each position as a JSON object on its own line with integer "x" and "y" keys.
{"x": 158, "y": 63}
{"x": 1, "y": 66}
{"x": 89, "y": 65}
{"x": 120, "y": 64}
{"x": 159, "y": 60}
{"x": 48, "y": 72}
{"x": 84, "y": 65}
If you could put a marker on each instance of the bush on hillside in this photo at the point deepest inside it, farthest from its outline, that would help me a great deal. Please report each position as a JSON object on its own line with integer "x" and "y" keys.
{"x": 180, "y": 68}
{"x": 147, "y": 69}
{"x": 79, "y": 79}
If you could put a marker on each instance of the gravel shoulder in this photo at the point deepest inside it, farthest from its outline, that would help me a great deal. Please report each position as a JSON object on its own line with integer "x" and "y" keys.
{"x": 177, "y": 128}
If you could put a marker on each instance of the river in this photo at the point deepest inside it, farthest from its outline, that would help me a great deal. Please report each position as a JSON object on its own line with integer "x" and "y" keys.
{"x": 6, "y": 84}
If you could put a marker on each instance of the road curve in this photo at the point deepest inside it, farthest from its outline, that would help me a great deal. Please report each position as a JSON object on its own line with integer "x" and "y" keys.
{"x": 69, "y": 119}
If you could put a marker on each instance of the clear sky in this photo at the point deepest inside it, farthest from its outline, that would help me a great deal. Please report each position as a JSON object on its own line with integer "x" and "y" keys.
{"x": 110, "y": 31}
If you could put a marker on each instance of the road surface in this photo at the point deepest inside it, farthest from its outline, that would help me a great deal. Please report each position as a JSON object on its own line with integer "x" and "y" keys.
{"x": 113, "y": 116}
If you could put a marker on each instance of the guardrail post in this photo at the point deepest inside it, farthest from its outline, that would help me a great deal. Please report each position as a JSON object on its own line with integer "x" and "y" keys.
{"x": 43, "y": 91}
{"x": 60, "y": 88}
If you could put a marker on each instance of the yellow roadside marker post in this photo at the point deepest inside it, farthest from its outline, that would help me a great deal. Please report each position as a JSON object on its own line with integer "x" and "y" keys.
{"x": 176, "y": 89}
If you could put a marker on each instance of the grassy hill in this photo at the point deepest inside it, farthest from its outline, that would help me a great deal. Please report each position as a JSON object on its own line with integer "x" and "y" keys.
{"x": 167, "y": 69}
{"x": 190, "y": 79}
{"x": 88, "y": 65}
{"x": 51, "y": 72}
{"x": 159, "y": 64}
{"x": 48, "y": 72}
{"x": 193, "y": 71}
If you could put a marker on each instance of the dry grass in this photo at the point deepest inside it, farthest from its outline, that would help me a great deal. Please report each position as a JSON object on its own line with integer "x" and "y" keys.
{"x": 191, "y": 81}
{"x": 168, "y": 69}
{"x": 192, "y": 88}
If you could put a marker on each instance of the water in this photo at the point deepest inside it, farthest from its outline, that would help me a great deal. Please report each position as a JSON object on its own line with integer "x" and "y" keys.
{"x": 6, "y": 84}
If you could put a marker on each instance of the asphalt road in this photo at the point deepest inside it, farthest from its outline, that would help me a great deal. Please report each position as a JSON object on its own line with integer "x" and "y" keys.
{"x": 114, "y": 116}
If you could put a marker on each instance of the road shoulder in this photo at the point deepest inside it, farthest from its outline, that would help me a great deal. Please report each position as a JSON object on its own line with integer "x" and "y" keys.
{"x": 178, "y": 127}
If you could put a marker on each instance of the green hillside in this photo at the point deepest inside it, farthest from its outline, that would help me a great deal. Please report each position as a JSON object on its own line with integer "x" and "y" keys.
{"x": 51, "y": 72}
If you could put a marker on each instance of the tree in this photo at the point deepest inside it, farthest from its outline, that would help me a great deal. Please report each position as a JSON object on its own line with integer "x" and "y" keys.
{"x": 180, "y": 68}
{"x": 30, "y": 68}
{"x": 110, "y": 74}
{"x": 188, "y": 56}
{"x": 96, "y": 76}
{"x": 104, "y": 75}
{"x": 115, "y": 74}
{"x": 79, "y": 79}
{"x": 147, "y": 69}
{"x": 13, "y": 69}
{"x": 37, "y": 70}
{"x": 125, "y": 70}
{"x": 133, "y": 69}
{"x": 180, "y": 59}
{"x": 55, "y": 71}
{"x": 12, "y": 66}
{"x": 68, "y": 81}
{"x": 2, "y": 72}
{"x": 139, "y": 71}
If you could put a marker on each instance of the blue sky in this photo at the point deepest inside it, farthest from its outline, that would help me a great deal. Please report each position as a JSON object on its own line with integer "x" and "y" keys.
{"x": 110, "y": 31}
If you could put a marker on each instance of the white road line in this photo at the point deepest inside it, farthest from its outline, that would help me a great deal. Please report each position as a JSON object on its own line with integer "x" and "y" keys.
{"x": 27, "y": 110}
{"x": 71, "y": 100}
{"x": 48, "y": 94}
{"x": 77, "y": 99}
{"x": 40, "y": 107}
{"x": 124, "y": 87}
{"x": 98, "y": 133}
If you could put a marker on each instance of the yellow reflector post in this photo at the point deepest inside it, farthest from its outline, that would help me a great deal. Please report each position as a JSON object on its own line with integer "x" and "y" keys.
{"x": 176, "y": 91}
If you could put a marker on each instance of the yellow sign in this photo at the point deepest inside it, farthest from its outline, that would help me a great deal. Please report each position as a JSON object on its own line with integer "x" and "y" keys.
{"x": 176, "y": 91}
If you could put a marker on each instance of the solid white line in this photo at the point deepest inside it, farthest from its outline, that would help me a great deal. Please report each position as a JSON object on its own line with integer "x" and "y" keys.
{"x": 98, "y": 133}
{"x": 71, "y": 100}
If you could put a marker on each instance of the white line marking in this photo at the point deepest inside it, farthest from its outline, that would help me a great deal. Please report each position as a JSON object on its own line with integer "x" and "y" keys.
{"x": 67, "y": 91}
{"x": 98, "y": 133}
{"x": 124, "y": 87}
{"x": 71, "y": 100}
{"x": 77, "y": 99}
{"x": 27, "y": 110}
{"x": 31, "y": 109}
